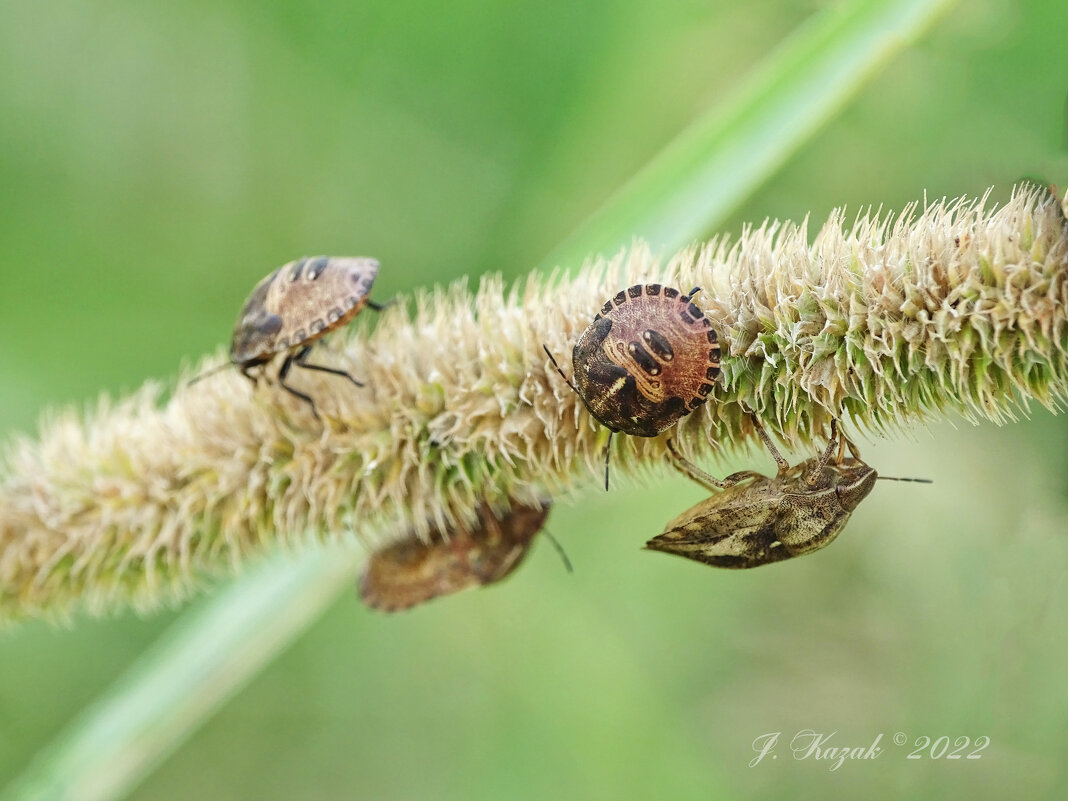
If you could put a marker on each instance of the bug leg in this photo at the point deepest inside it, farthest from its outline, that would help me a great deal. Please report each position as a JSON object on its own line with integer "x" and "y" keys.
{"x": 380, "y": 306}
{"x": 607, "y": 451}
{"x": 852, "y": 448}
{"x": 559, "y": 550}
{"x": 693, "y": 292}
{"x": 695, "y": 473}
{"x": 255, "y": 379}
{"x": 816, "y": 471}
{"x": 283, "y": 372}
{"x": 561, "y": 372}
{"x": 779, "y": 460}
{"x": 302, "y": 359}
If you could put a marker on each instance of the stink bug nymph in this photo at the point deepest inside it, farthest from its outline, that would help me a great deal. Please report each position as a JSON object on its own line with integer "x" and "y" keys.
{"x": 753, "y": 520}
{"x": 649, "y": 358}
{"x": 294, "y": 306}
{"x": 413, "y": 571}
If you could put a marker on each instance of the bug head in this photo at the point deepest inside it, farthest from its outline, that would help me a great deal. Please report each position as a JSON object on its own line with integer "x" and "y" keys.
{"x": 256, "y": 326}
{"x": 853, "y": 480}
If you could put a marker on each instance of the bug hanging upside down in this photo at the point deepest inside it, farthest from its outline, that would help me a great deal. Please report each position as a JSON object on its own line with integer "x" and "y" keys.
{"x": 753, "y": 520}
{"x": 413, "y": 571}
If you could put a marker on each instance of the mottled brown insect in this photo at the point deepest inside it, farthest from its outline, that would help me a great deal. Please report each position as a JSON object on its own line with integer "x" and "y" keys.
{"x": 413, "y": 571}
{"x": 649, "y": 358}
{"x": 753, "y": 520}
{"x": 296, "y": 305}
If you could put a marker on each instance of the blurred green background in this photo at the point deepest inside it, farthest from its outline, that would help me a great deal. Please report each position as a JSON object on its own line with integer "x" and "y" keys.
{"x": 156, "y": 161}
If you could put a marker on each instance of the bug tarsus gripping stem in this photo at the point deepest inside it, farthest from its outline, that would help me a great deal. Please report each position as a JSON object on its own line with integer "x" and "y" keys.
{"x": 694, "y": 473}
{"x": 821, "y": 465}
{"x": 778, "y": 457}
{"x": 284, "y": 371}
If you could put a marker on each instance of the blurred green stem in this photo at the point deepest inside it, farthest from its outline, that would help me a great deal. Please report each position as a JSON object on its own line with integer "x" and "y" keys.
{"x": 181, "y": 680}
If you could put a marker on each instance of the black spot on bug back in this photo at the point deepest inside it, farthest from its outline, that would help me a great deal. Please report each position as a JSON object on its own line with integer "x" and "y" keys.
{"x": 315, "y": 269}
{"x": 644, "y": 359}
{"x": 635, "y": 291}
{"x": 652, "y": 289}
{"x": 670, "y": 292}
{"x": 658, "y": 344}
{"x": 601, "y": 329}
{"x": 620, "y": 298}
{"x": 297, "y": 269}
{"x": 269, "y": 324}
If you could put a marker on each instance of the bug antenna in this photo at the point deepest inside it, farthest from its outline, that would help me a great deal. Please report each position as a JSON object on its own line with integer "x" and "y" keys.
{"x": 557, "y": 366}
{"x": 914, "y": 480}
{"x": 212, "y": 371}
{"x": 607, "y": 454}
{"x": 560, "y": 550}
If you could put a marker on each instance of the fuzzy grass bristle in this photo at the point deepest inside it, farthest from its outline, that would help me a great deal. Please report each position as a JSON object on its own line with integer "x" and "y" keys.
{"x": 955, "y": 308}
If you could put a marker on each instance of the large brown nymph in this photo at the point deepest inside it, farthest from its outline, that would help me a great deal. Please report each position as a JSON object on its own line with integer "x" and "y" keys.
{"x": 649, "y": 358}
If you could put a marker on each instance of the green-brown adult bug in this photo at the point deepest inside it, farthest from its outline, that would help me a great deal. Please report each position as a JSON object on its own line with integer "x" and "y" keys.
{"x": 649, "y": 358}
{"x": 413, "y": 571}
{"x": 753, "y": 520}
{"x": 294, "y": 306}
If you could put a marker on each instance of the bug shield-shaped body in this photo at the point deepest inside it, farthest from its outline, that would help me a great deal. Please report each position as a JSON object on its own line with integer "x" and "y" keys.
{"x": 299, "y": 303}
{"x": 413, "y": 571}
{"x": 753, "y": 519}
{"x": 649, "y": 358}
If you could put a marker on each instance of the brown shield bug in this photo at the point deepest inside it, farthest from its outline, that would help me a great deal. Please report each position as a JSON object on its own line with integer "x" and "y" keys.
{"x": 413, "y": 571}
{"x": 754, "y": 520}
{"x": 649, "y": 358}
{"x": 294, "y": 306}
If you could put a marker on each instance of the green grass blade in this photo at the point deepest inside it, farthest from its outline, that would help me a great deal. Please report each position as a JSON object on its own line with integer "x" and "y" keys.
{"x": 188, "y": 673}
{"x": 209, "y": 654}
{"x": 707, "y": 171}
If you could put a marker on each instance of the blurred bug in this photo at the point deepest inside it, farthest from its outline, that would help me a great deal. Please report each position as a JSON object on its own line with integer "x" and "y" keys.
{"x": 753, "y": 520}
{"x": 293, "y": 307}
{"x": 649, "y": 358}
{"x": 413, "y": 571}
